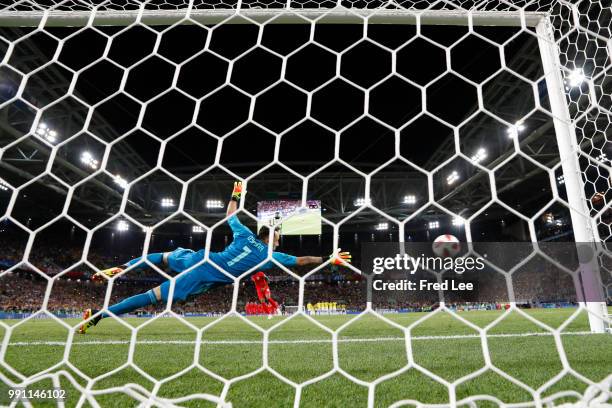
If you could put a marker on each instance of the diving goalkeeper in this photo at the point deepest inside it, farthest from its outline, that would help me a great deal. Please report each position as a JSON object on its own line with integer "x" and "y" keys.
{"x": 245, "y": 252}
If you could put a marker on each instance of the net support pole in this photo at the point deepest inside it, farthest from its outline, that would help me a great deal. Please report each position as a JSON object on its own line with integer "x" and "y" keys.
{"x": 584, "y": 232}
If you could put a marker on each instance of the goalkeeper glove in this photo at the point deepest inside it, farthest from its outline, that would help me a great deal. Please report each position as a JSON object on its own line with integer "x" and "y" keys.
{"x": 340, "y": 258}
{"x": 237, "y": 192}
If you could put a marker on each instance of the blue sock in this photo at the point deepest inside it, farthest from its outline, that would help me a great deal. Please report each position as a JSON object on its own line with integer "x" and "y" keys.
{"x": 132, "y": 303}
{"x": 155, "y": 259}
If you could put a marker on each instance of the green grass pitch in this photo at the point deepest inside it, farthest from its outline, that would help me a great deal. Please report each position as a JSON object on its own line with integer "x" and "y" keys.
{"x": 368, "y": 348}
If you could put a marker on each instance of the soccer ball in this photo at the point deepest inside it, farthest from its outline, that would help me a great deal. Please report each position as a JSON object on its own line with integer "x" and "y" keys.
{"x": 446, "y": 246}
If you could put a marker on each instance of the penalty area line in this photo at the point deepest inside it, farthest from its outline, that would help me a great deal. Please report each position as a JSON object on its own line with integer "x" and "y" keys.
{"x": 311, "y": 341}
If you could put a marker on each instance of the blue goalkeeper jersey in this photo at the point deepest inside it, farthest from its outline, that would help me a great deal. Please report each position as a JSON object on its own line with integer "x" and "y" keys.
{"x": 245, "y": 252}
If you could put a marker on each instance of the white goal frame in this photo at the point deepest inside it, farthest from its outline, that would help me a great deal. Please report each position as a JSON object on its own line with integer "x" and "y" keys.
{"x": 287, "y": 15}
{"x": 585, "y": 229}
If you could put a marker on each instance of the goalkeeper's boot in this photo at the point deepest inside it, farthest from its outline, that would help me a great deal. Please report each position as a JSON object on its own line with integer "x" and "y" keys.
{"x": 87, "y": 313}
{"x": 109, "y": 273}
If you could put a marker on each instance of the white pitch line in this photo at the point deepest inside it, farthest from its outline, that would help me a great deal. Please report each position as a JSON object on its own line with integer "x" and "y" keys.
{"x": 312, "y": 341}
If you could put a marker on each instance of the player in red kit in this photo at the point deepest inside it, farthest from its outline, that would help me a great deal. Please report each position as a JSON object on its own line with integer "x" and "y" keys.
{"x": 268, "y": 304}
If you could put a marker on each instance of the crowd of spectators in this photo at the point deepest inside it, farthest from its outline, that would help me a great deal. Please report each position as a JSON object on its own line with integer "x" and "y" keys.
{"x": 51, "y": 257}
{"x": 24, "y": 290}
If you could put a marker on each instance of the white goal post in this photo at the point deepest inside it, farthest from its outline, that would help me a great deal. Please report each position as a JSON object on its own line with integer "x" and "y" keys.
{"x": 585, "y": 229}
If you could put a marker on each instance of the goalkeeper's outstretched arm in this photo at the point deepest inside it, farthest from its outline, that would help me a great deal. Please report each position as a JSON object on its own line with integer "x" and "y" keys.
{"x": 309, "y": 260}
{"x": 232, "y": 206}
{"x": 341, "y": 258}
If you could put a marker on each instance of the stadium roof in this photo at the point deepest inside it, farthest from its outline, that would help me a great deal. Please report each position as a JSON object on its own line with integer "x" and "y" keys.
{"x": 394, "y": 105}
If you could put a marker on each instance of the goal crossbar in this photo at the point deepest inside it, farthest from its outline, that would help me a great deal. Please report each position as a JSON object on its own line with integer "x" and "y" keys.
{"x": 339, "y": 15}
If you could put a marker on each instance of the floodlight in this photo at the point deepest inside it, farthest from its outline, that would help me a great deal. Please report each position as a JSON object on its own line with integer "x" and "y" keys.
{"x": 410, "y": 199}
{"x": 120, "y": 181}
{"x": 88, "y": 159}
{"x": 561, "y": 179}
{"x": 480, "y": 155}
{"x": 167, "y": 202}
{"x": 513, "y": 131}
{"x": 458, "y": 221}
{"x": 362, "y": 201}
{"x": 214, "y": 204}
{"x": 576, "y": 77}
{"x": 452, "y": 178}
{"x": 46, "y": 133}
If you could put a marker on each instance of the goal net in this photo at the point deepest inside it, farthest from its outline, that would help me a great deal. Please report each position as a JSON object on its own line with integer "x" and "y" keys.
{"x": 123, "y": 126}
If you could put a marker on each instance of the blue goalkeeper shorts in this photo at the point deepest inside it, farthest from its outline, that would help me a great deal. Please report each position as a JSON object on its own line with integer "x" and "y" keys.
{"x": 191, "y": 283}
{"x": 182, "y": 259}
{"x": 187, "y": 285}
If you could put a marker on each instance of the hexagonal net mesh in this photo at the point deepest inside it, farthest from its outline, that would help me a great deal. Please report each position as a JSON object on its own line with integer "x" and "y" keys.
{"x": 125, "y": 123}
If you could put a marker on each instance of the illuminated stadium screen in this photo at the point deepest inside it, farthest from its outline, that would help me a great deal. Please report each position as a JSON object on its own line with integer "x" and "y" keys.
{"x": 290, "y": 216}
